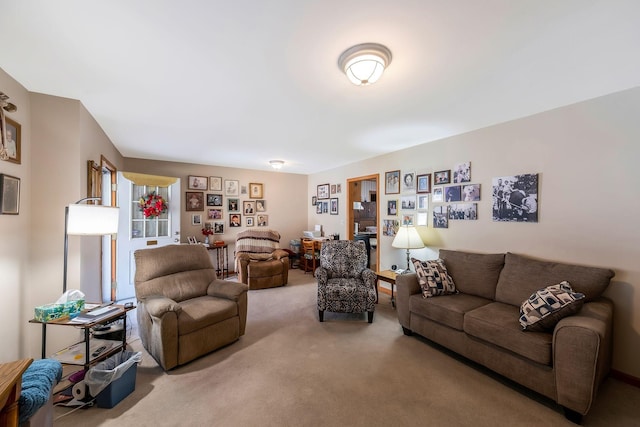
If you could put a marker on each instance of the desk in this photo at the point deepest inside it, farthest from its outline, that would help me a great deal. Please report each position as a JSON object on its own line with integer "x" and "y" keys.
{"x": 10, "y": 386}
{"x": 222, "y": 260}
{"x": 388, "y": 276}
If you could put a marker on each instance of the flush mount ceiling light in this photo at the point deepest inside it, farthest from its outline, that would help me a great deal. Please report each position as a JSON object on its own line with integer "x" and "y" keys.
{"x": 276, "y": 164}
{"x": 364, "y": 63}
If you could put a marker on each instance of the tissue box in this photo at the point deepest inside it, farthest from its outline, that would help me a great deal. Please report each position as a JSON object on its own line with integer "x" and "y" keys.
{"x": 47, "y": 312}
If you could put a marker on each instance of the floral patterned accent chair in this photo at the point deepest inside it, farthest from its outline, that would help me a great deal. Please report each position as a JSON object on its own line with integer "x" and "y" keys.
{"x": 345, "y": 284}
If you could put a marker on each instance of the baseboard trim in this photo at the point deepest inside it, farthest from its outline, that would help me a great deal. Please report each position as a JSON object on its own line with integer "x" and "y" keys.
{"x": 626, "y": 378}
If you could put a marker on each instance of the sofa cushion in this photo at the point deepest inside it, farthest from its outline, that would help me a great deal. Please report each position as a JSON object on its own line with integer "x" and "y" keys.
{"x": 198, "y": 313}
{"x": 522, "y": 276}
{"x": 497, "y": 323}
{"x": 448, "y": 310}
{"x": 474, "y": 274}
{"x": 545, "y": 307}
{"x": 433, "y": 278}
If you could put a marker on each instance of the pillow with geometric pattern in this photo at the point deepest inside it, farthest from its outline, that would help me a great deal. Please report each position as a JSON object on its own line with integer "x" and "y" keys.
{"x": 545, "y": 307}
{"x": 433, "y": 278}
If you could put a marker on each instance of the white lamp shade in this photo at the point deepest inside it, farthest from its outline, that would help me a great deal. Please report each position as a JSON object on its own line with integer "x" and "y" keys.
{"x": 407, "y": 238}
{"x": 92, "y": 220}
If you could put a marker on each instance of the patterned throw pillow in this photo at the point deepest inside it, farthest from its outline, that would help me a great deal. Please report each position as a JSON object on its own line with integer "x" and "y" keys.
{"x": 547, "y": 306}
{"x": 433, "y": 278}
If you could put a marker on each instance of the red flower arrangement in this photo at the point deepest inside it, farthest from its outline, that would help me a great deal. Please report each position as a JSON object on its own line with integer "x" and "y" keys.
{"x": 207, "y": 231}
{"x": 152, "y": 205}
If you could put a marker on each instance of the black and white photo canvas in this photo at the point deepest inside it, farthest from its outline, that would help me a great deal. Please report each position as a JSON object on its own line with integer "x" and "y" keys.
{"x": 453, "y": 193}
{"x": 471, "y": 193}
{"x": 440, "y": 219}
{"x": 462, "y": 172}
{"x": 515, "y": 198}
{"x": 463, "y": 211}
{"x": 408, "y": 202}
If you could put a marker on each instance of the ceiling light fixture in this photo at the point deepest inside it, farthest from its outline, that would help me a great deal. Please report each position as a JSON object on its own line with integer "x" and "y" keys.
{"x": 276, "y": 164}
{"x": 364, "y": 63}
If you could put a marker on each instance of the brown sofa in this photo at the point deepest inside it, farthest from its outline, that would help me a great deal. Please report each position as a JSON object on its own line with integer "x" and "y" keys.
{"x": 260, "y": 263}
{"x": 183, "y": 310}
{"x": 480, "y": 322}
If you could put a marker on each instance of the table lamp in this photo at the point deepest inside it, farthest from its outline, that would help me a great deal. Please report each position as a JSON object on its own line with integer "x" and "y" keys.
{"x": 407, "y": 238}
{"x": 87, "y": 220}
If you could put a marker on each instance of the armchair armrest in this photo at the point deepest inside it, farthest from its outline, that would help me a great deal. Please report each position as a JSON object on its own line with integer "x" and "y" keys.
{"x": 225, "y": 289}
{"x": 157, "y": 306}
{"x": 279, "y": 254}
{"x": 407, "y": 285}
{"x": 582, "y": 354}
{"x": 369, "y": 277}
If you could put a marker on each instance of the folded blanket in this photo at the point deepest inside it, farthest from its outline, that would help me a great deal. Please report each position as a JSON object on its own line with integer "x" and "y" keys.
{"x": 37, "y": 382}
{"x": 257, "y": 241}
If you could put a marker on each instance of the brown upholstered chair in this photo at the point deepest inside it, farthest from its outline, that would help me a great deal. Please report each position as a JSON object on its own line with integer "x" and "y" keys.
{"x": 184, "y": 311}
{"x": 260, "y": 263}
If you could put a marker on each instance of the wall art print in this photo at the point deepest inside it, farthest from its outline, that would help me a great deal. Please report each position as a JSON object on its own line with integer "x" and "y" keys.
{"x": 515, "y": 198}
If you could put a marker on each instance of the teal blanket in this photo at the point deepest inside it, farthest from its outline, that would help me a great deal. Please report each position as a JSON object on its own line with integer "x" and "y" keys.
{"x": 37, "y": 382}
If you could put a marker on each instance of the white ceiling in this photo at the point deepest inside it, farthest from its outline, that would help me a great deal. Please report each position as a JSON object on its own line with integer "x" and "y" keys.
{"x": 237, "y": 83}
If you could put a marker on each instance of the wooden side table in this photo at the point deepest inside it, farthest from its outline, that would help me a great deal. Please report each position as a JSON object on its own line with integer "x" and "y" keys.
{"x": 388, "y": 276}
{"x": 10, "y": 386}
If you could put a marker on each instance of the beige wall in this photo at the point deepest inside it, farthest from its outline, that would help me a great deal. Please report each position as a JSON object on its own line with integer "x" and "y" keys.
{"x": 285, "y": 196}
{"x": 587, "y": 156}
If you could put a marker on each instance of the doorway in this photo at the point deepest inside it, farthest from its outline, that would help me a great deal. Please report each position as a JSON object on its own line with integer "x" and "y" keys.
{"x": 362, "y": 213}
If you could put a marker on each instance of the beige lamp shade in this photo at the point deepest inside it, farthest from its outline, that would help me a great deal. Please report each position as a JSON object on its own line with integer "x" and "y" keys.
{"x": 407, "y": 238}
{"x": 92, "y": 220}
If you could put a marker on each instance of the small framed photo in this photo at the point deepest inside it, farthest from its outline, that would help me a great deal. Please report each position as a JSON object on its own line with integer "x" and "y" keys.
{"x": 333, "y": 206}
{"x": 423, "y": 202}
{"x": 214, "y": 199}
{"x": 471, "y": 192}
{"x": 325, "y": 207}
{"x": 462, "y": 172}
{"x": 233, "y": 205}
{"x": 13, "y": 143}
{"x": 421, "y": 218}
{"x": 452, "y": 193}
{"x": 9, "y": 195}
{"x": 235, "y": 220}
{"x": 214, "y": 213}
{"x": 263, "y": 220}
{"x": 440, "y": 217}
{"x": 196, "y": 219}
{"x": 323, "y": 191}
{"x": 392, "y": 207}
{"x": 231, "y": 187}
{"x": 438, "y": 195}
{"x": 195, "y": 200}
{"x": 442, "y": 177}
{"x": 261, "y": 205}
{"x": 218, "y": 227}
{"x": 390, "y": 227}
{"x": 249, "y": 221}
{"x": 192, "y": 240}
{"x": 338, "y": 188}
{"x": 215, "y": 183}
{"x": 255, "y": 190}
{"x": 409, "y": 182}
{"x": 249, "y": 208}
{"x": 392, "y": 182}
{"x": 197, "y": 182}
{"x": 333, "y": 189}
{"x": 407, "y": 219}
{"x": 314, "y": 200}
{"x": 319, "y": 207}
{"x": 243, "y": 189}
{"x": 408, "y": 202}
{"x": 424, "y": 183}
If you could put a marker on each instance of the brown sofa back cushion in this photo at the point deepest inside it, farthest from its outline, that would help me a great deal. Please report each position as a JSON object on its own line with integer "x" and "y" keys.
{"x": 474, "y": 274}
{"x": 178, "y": 272}
{"x": 522, "y": 276}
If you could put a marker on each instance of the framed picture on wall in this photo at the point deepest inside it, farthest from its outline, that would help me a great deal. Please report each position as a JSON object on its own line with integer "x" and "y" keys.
{"x": 214, "y": 199}
{"x": 322, "y": 191}
{"x": 442, "y": 177}
{"x": 196, "y": 219}
{"x": 13, "y": 143}
{"x": 314, "y": 200}
{"x": 218, "y": 227}
{"x": 263, "y": 220}
{"x": 195, "y": 200}
{"x": 235, "y": 220}
{"x": 319, "y": 207}
{"x": 438, "y": 195}
{"x": 9, "y": 195}
{"x": 233, "y": 205}
{"x": 215, "y": 183}
{"x": 261, "y": 205}
{"x": 231, "y": 187}
{"x": 255, "y": 190}
{"x": 197, "y": 182}
{"x": 424, "y": 183}
{"x": 249, "y": 221}
{"x": 333, "y": 206}
{"x": 214, "y": 213}
{"x": 249, "y": 208}
{"x": 392, "y": 207}
{"x": 392, "y": 182}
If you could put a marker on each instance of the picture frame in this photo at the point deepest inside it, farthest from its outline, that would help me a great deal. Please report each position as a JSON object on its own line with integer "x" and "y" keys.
{"x": 442, "y": 177}
{"x": 453, "y": 193}
{"x": 235, "y": 220}
{"x": 214, "y": 213}
{"x": 421, "y": 218}
{"x": 392, "y": 207}
{"x": 214, "y": 199}
{"x": 192, "y": 240}
{"x": 408, "y": 202}
{"x": 407, "y": 219}
{"x": 9, "y": 195}
{"x": 338, "y": 188}
{"x": 333, "y": 189}
{"x": 233, "y": 205}
{"x": 390, "y": 227}
{"x": 437, "y": 196}
{"x": 263, "y": 220}
{"x": 196, "y": 219}
{"x": 249, "y": 208}
{"x": 243, "y": 189}
{"x": 471, "y": 192}
{"x": 462, "y": 172}
{"x": 322, "y": 191}
{"x": 249, "y": 221}
{"x": 261, "y": 205}
{"x": 333, "y": 206}
{"x": 392, "y": 182}
{"x": 423, "y": 202}
{"x": 319, "y": 207}
{"x": 325, "y": 207}
{"x": 255, "y": 190}
{"x": 215, "y": 183}
{"x": 194, "y": 201}
{"x": 440, "y": 217}
{"x": 409, "y": 182}
{"x": 314, "y": 200}
{"x": 197, "y": 182}
{"x": 13, "y": 142}
{"x": 231, "y": 187}
{"x": 218, "y": 227}
{"x": 423, "y": 183}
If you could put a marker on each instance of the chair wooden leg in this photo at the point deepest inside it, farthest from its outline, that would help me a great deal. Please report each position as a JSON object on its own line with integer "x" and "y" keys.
{"x": 370, "y": 316}
{"x": 321, "y": 315}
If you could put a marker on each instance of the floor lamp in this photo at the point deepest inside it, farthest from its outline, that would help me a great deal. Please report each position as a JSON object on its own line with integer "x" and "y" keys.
{"x": 407, "y": 238}
{"x": 87, "y": 220}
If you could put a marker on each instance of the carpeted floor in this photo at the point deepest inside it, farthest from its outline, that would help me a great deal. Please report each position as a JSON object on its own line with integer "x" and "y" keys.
{"x": 291, "y": 370}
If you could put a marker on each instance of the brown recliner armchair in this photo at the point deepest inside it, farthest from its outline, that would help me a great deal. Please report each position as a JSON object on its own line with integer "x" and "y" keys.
{"x": 184, "y": 311}
{"x": 260, "y": 263}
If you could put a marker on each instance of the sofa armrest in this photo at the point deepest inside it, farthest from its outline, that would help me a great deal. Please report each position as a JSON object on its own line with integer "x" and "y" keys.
{"x": 226, "y": 289}
{"x": 407, "y": 285}
{"x": 582, "y": 347}
{"x": 157, "y": 306}
{"x": 279, "y": 254}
